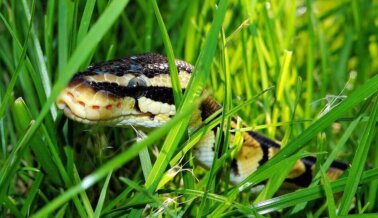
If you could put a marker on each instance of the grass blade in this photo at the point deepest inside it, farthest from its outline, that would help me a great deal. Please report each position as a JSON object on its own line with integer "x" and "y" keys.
{"x": 101, "y": 200}
{"x": 177, "y": 93}
{"x": 358, "y": 161}
{"x": 329, "y": 194}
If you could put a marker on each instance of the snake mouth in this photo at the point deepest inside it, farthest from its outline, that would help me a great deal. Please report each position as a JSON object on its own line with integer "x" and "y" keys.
{"x": 107, "y": 122}
{"x": 100, "y": 110}
{"x": 68, "y": 112}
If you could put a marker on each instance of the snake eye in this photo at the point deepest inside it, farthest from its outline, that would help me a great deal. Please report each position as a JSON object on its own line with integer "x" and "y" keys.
{"x": 136, "y": 82}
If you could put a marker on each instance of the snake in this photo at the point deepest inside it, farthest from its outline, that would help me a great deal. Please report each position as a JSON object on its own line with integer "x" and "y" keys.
{"x": 136, "y": 91}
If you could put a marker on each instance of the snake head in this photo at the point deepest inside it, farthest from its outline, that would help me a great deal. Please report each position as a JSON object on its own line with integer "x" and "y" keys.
{"x": 130, "y": 91}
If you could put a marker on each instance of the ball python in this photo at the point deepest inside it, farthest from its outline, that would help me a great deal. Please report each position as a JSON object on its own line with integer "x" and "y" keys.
{"x": 137, "y": 91}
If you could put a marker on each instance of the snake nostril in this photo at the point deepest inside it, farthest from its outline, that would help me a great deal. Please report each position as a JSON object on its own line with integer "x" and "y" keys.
{"x": 82, "y": 103}
{"x": 108, "y": 107}
{"x": 95, "y": 107}
{"x": 70, "y": 94}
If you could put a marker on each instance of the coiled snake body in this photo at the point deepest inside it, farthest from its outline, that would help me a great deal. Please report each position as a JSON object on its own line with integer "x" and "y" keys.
{"x": 137, "y": 91}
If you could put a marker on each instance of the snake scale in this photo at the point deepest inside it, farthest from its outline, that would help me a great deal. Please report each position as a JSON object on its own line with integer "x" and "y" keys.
{"x": 137, "y": 91}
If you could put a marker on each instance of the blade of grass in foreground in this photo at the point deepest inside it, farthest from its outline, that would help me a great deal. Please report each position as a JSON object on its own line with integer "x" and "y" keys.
{"x": 33, "y": 193}
{"x": 85, "y": 19}
{"x": 368, "y": 89}
{"x": 101, "y": 199}
{"x": 74, "y": 174}
{"x": 359, "y": 161}
{"x": 49, "y": 22}
{"x": 177, "y": 93}
{"x": 329, "y": 194}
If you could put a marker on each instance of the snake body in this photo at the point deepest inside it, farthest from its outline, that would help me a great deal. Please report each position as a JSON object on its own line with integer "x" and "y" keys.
{"x": 137, "y": 91}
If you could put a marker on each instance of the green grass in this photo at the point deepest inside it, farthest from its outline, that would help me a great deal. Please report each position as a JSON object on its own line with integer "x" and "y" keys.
{"x": 303, "y": 72}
